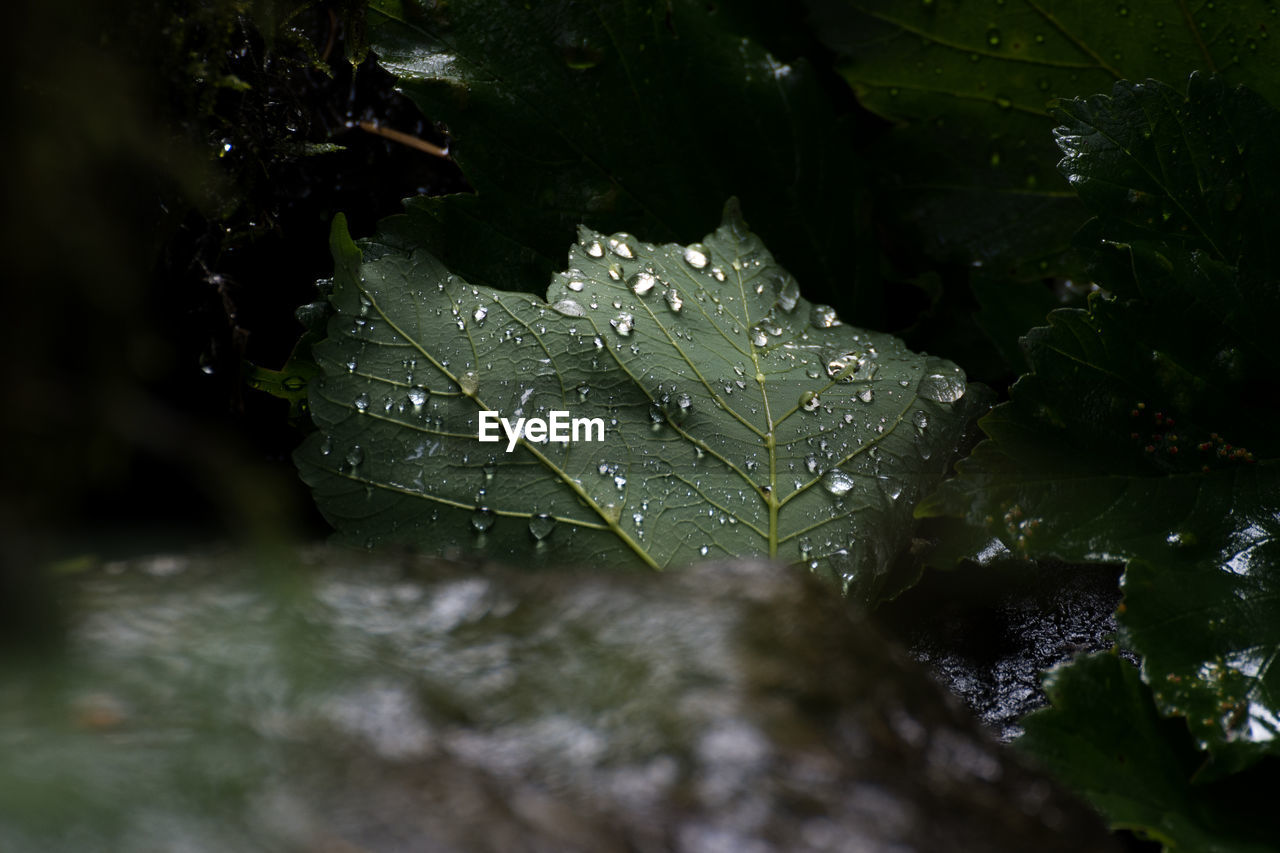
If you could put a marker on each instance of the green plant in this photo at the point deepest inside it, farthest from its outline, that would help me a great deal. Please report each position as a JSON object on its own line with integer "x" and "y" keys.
{"x": 1142, "y": 431}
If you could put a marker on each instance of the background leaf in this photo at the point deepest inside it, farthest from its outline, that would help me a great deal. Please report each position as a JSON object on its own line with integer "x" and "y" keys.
{"x": 741, "y": 419}
{"x": 1104, "y": 738}
{"x": 983, "y": 78}
{"x": 635, "y": 116}
{"x": 1146, "y": 429}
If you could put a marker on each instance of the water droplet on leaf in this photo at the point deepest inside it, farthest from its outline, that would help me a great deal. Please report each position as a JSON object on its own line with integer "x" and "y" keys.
{"x": 623, "y": 324}
{"x": 823, "y": 317}
{"x": 620, "y": 245}
{"x": 569, "y": 308}
{"x": 642, "y": 282}
{"x": 482, "y": 519}
{"x": 697, "y": 256}
{"x": 540, "y": 526}
{"x": 942, "y": 388}
{"x": 837, "y": 482}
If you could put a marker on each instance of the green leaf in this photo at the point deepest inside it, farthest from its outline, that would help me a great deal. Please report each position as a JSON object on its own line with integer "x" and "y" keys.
{"x": 629, "y": 116}
{"x": 1105, "y": 739}
{"x": 1146, "y": 430}
{"x": 739, "y": 418}
{"x": 982, "y": 77}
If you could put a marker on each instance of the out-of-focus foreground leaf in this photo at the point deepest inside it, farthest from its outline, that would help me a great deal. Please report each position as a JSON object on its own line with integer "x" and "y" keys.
{"x": 1147, "y": 429}
{"x": 624, "y": 115}
{"x": 739, "y": 419}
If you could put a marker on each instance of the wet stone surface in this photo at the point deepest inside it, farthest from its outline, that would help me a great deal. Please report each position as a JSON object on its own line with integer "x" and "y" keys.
{"x": 990, "y": 632}
{"x": 387, "y": 704}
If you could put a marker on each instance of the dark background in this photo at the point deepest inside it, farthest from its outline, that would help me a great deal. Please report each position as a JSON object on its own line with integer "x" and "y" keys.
{"x": 166, "y": 212}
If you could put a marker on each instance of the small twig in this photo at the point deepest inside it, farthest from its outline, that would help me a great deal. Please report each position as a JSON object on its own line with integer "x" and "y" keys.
{"x": 404, "y": 139}
{"x": 333, "y": 36}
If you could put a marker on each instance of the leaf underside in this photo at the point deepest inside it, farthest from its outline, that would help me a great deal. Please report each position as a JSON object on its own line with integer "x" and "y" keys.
{"x": 739, "y": 418}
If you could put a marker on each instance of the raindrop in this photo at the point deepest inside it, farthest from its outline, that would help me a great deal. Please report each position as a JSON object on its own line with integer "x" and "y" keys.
{"x": 921, "y": 420}
{"x": 788, "y": 292}
{"x": 417, "y": 396}
{"x": 569, "y": 308}
{"x": 823, "y": 317}
{"x": 351, "y": 364}
{"x": 489, "y": 470}
{"x": 623, "y": 324}
{"x": 717, "y": 273}
{"x": 540, "y": 526}
{"x": 620, "y": 245}
{"x": 656, "y": 416}
{"x": 891, "y": 488}
{"x": 865, "y": 395}
{"x": 479, "y": 314}
{"x": 469, "y": 383}
{"x": 809, "y": 401}
{"x": 696, "y": 255}
{"x": 575, "y": 285}
{"x": 355, "y": 456}
{"x": 583, "y": 390}
{"x": 811, "y": 464}
{"x": 482, "y": 519}
{"x": 674, "y": 302}
{"x": 837, "y": 482}
{"x": 942, "y": 388}
{"x": 326, "y": 446}
{"x": 841, "y": 368}
{"x": 362, "y": 402}
{"x": 594, "y": 249}
{"x": 758, "y": 336}
{"x": 642, "y": 282}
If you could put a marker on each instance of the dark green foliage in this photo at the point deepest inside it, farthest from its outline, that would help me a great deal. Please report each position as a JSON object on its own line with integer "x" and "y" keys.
{"x": 1106, "y": 739}
{"x": 626, "y": 116}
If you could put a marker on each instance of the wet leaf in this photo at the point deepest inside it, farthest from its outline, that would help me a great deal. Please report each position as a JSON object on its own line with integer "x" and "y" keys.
{"x": 1105, "y": 739}
{"x": 982, "y": 77}
{"x": 1147, "y": 429}
{"x": 738, "y": 418}
{"x": 635, "y": 116}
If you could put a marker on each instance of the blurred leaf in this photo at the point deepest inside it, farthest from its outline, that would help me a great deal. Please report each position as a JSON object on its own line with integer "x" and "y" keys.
{"x": 981, "y": 78}
{"x": 1104, "y": 738}
{"x": 740, "y": 419}
{"x": 634, "y": 116}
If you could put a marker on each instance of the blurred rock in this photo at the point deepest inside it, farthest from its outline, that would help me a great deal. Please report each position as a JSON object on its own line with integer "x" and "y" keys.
{"x": 383, "y": 703}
